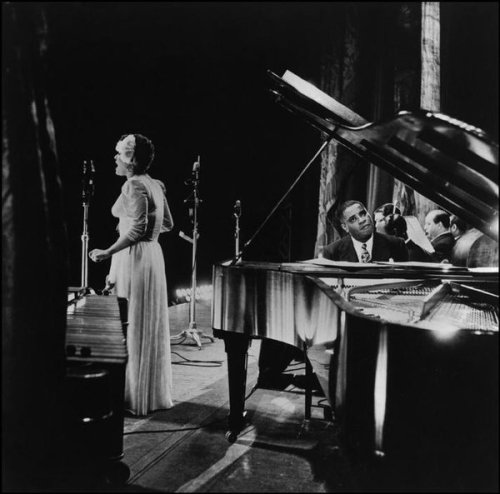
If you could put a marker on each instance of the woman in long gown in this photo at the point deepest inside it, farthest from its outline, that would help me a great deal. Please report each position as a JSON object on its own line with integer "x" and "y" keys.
{"x": 137, "y": 274}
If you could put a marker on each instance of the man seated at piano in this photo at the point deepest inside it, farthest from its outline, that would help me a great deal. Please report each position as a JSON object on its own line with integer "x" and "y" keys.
{"x": 437, "y": 229}
{"x": 363, "y": 243}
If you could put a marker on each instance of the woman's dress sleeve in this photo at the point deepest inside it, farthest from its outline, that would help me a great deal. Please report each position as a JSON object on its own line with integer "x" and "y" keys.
{"x": 135, "y": 202}
{"x": 168, "y": 222}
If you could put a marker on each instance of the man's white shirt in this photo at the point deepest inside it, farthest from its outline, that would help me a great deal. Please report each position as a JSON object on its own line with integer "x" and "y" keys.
{"x": 358, "y": 246}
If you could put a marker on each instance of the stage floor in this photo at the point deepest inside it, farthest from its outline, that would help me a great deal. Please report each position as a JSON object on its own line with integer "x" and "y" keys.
{"x": 277, "y": 452}
{"x": 184, "y": 449}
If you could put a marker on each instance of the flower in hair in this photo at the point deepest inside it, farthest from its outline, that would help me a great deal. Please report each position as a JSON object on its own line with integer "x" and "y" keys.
{"x": 126, "y": 148}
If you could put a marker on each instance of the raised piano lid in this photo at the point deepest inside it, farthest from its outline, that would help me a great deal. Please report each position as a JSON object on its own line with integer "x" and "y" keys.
{"x": 448, "y": 161}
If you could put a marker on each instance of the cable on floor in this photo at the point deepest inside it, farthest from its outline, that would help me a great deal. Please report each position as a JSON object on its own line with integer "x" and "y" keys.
{"x": 177, "y": 430}
{"x": 195, "y": 363}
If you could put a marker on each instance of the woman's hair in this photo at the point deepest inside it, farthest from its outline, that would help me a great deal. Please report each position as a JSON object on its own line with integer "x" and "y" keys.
{"x": 144, "y": 153}
{"x": 395, "y": 225}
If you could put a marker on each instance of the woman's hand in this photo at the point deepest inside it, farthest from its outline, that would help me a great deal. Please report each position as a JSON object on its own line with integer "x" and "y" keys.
{"x": 98, "y": 255}
{"x": 109, "y": 286}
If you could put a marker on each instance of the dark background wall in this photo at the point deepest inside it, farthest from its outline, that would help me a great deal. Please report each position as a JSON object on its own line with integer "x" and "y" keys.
{"x": 469, "y": 61}
{"x": 192, "y": 77}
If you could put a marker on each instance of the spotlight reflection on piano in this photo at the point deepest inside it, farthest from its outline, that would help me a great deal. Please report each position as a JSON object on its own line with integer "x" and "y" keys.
{"x": 446, "y": 331}
{"x": 494, "y": 227}
{"x": 203, "y": 292}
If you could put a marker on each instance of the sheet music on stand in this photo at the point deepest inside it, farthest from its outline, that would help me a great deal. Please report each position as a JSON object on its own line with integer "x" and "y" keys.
{"x": 417, "y": 234}
{"x": 323, "y": 261}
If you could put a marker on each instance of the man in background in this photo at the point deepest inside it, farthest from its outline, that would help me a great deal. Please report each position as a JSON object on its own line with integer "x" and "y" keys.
{"x": 395, "y": 224}
{"x": 457, "y": 227}
{"x": 472, "y": 248}
{"x": 380, "y": 214}
{"x": 437, "y": 229}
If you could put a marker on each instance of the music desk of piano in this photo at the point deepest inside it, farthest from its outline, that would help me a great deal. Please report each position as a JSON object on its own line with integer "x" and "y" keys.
{"x": 96, "y": 357}
{"x": 405, "y": 355}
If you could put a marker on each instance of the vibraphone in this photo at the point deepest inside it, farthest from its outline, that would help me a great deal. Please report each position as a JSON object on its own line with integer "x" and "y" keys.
{"x": 96, "y": 357}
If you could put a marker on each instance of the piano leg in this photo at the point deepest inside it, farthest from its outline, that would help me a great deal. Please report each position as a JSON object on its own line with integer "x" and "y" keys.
{"x": 236, "y": 346}
{"x": 308, "y": 390}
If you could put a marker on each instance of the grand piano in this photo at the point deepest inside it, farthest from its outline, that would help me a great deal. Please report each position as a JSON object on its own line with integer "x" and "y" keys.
{"x": 406, "y": 353}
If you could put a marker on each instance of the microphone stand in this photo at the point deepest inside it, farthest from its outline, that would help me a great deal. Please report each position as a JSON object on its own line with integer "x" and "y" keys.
{"x": 237, "y": 214}
{"x": 192, "y": 332}
{"x": 87, "y": 192}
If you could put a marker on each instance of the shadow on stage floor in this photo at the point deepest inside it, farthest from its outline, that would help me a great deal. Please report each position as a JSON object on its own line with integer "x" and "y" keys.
{"x": 184, "y": 449}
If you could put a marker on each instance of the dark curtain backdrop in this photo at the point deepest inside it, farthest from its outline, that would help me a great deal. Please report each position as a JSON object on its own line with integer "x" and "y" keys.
{"x": 469, "y": 63}
{"x": 343, "y": 175}
{"x": 34, "y": 259}
{"x": 372, "y": 64}
{"x": 368, "y": 60}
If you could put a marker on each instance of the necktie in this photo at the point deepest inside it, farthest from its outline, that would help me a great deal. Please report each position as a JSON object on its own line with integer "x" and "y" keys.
{"x": 365, "y": 255}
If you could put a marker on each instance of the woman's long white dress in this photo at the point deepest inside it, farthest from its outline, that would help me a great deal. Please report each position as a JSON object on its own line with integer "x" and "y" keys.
{"x": 138, "y": 273}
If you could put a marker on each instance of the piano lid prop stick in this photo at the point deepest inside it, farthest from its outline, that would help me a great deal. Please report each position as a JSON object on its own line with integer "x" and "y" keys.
{"x": 278, "y": 204}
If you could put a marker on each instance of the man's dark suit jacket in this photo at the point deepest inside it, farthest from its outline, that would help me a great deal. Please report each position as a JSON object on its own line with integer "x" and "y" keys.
{"x": 384, "y": 248}
{"x": 416, "y": 253}
{"x": 443, "y": 245}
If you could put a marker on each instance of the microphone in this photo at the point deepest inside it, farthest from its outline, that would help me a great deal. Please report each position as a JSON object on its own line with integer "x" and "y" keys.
{"x": 196, "y": 168}
{"x": 88, "y": 180}
{"x": 194, "y": 173}
{"x": 237, "y": 208}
